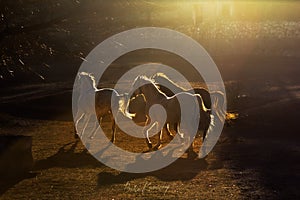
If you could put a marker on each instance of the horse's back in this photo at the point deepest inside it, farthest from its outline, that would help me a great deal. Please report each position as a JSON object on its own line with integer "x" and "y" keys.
{"x": 166, "y": 91}
{"x": 205, "y": 96}
{"x": 182, "y": 100}
{"x": 174, "y": 89}
{"x": 166, "y": 85}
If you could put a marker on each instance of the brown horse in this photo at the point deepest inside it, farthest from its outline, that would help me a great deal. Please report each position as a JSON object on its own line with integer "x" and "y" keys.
{"x": 170, "y": 88}
{"x": 154, "y": 96}
{"x": 167, "y": 86}
{"x": 105, "y": 100}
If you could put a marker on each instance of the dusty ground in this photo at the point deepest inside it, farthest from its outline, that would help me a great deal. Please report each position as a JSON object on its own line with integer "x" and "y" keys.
{"x": 256, "y": 158}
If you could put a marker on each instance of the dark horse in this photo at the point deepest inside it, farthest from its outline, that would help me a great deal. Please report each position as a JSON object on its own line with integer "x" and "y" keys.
{"x": 167, "y": 86}
{"x": 154, "y": 96}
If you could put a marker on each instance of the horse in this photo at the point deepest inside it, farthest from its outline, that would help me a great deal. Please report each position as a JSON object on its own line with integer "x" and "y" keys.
{"x": 137, "y": 105}
{"x": 105, "y": 100}
{"x": 154, "y": 96}
{"x": 167, "y": 86}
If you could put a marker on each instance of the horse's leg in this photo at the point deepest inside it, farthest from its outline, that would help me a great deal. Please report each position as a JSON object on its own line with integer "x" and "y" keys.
{"x": 158, "y": 145}
{"x": 75, "y": 132}
{"x": 146, "y": 133}
{"x": 190, "y": 152}
{"x": 169, "y": 132}
{"x": 95, "y": 128}
{"x": 113, "y": 137}
{"x": 77, "y": 122}
{"x": 177, "y": 129}
{"x": 204, "y": 135}
{"x": 203, "y": 147}
{"x": 78, "y": 117}
{"x": 187, "y": 139}
{"x": 85, "y": 125}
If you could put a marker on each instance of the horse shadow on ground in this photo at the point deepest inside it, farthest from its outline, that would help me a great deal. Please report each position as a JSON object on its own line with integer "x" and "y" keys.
{"x": 68, "y": 158}
{"x": 8, "y": 181}
{"x": 183, "y": 169}
{"x": 65, "y": 157}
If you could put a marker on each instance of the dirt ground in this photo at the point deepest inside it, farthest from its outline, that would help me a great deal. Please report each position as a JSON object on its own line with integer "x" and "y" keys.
{"x": 255, "y": 158}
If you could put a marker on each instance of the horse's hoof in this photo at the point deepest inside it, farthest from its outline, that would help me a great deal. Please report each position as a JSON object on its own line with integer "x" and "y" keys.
{"x": 192, "y": 155}
{"x": 157, "y": 147}
{"x": 76, "y": 136}
{"x": 149, "y": 146}
{"x": 147, "y": 151}
{"x": 171, "y": 136}
{"x": 202, "y": 153}
{"x": 203, "y": 158}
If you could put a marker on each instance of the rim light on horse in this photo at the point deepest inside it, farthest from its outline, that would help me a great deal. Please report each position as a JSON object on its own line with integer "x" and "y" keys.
{"x": 105, "y": 99}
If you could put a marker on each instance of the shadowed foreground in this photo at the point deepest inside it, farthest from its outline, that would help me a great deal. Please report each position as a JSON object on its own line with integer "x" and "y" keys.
{"x": 254, "y": 158}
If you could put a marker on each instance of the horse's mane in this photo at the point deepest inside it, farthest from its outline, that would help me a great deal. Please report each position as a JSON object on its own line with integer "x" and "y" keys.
{"x": 144, "y": 80}
{"x": 163, "y": 79}
{"x": 90, "y": 76}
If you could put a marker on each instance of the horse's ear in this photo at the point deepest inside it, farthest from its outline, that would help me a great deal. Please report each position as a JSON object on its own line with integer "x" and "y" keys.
{"x": 209, "y": 111}
{"x": 160, "y": 74}
{"x": 137, "y": 78}
{"x": 144, "y": 77}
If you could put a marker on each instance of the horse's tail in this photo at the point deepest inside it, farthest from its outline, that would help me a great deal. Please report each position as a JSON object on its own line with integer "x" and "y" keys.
{"x": 219, "y": 104}
{"x": 206, "y": 119}
{"x": 204, "y": 95}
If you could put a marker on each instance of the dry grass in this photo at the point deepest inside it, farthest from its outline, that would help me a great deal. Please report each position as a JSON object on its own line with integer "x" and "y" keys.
{"x": 256, "y": 158}
{"x": 65, "y": 170}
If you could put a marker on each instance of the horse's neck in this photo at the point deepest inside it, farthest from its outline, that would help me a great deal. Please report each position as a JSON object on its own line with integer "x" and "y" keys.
{"x": 172, "y": 86}
{"x": 90, "y": 86}
{"x": 152, "y": 94}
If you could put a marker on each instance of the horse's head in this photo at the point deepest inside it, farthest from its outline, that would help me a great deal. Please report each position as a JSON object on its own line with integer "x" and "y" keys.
{"x": 159, "y": 77}
{"x": 140, "y": 85}
{"x": 136, "y": 103}
{"x": 86, "y": 80}
{"x": 137, "y": 106}
{"x": 124, "y": 101}
{"x": 166, "y": 85}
